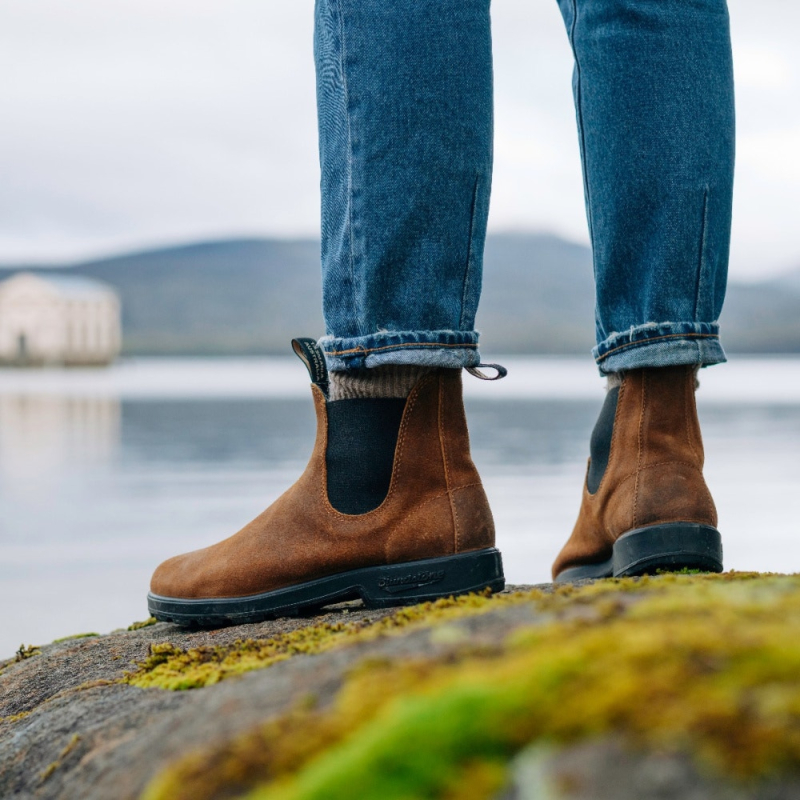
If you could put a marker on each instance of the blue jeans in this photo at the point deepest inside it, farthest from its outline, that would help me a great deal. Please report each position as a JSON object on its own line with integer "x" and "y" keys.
{"x": 405, "y": 119}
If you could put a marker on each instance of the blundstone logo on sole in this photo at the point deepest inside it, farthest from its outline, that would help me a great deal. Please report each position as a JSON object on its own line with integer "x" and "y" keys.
{"x": 402, "y": 583}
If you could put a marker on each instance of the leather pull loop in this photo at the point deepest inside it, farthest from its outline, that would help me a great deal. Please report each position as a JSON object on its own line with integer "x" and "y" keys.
{"x": 310, "y": 353}
{"x": 476, "y": 372}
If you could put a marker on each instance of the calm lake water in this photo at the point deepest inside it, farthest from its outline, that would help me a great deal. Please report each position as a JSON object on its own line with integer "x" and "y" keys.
{"x": 105, "y": 473}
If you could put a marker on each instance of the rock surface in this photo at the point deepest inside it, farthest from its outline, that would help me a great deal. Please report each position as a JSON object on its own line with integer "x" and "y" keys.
{"x": 607, "y": 770}
{"x": 71, "y": 729}
{"x": 128, "y": 734}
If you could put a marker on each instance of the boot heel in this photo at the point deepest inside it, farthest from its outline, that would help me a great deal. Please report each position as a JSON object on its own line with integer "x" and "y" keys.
{"x": 432, "y": 578}
{"x": 670, "y": 547}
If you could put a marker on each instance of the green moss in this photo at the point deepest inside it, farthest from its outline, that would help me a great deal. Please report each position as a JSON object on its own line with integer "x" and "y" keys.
{"x": 476, "y": 780}
{"x": 136, "y": 626}
{"x": 15, "y": 717}
{"x": 705, "y": 665}
{"x": 169, "y": 667}
{"x": 684, "y": 571}
{"x": 74, "y": 636}
{"x": 51, "y": 768}
{"x": 28, "y": 651}
{"x": 82, "y": 687}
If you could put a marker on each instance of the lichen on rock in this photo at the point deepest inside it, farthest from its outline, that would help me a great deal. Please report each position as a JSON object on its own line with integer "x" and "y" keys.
{"x": 463, "y": 699}
{"x": 27, "y": 651}
{"x": 170, "y": 667}
{"x": 54, "y": 765}
{"x": 137, "y": 626}
{"x": 700, "y": 665}
{"x": 74, "y": 636}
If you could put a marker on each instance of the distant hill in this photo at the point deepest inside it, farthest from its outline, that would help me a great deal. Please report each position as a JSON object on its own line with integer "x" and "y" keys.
{"x": 764, "y": 317}
{"x": 251, "y": 296}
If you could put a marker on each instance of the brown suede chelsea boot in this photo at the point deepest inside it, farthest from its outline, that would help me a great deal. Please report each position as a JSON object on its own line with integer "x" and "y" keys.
{"x": 412, "y": 525}
{"x": 646, "y": 506}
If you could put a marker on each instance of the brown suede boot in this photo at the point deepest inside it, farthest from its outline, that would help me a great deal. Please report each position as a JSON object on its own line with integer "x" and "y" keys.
{"x": 431, "y": 536}
{"x": 646, "y": 506}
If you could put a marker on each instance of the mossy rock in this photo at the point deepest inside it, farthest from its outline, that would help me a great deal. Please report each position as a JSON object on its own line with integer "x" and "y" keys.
{"x": 470, "y": 698}
{"x": 707, "y": 666}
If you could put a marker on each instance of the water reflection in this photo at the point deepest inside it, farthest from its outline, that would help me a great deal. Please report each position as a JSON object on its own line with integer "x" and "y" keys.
{"x": 95, "y": 491}
{"x": 44, "y": 437}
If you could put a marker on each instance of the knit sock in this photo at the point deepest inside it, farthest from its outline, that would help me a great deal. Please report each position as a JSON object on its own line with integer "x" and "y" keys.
{"x": 391, "y": 380}
{"x": 365, "y": 409}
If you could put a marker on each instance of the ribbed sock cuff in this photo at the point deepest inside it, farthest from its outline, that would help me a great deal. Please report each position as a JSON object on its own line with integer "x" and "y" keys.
{"x": 390, "y": 381}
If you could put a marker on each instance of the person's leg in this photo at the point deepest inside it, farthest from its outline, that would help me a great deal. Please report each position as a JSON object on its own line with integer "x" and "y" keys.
{"x": 654, "y": 98}
{"x": 390, "y": 507}
{"x": 405, "y": 119}
{"x": 655, "y": 104}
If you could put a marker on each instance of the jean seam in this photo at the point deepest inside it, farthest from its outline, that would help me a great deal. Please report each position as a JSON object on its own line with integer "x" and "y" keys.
{"x": 701, "y": 267}
{"x": 657, "y": 339}
{"x": 582, "y": 137}
{"x": 407, "y": 345}
{"x": 581, "y": 128}
{"x": 468, "y": 266}
{"x": 348, "y": 110}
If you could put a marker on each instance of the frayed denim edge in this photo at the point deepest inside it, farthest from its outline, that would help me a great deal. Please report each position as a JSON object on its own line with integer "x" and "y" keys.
{"x": 661, "y": 345}
{"x": 451, "y": 349}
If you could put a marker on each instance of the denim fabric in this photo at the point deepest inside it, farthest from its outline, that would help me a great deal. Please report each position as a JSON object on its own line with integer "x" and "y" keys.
{"x": 653, "y": 87}
{"x": 404, "y": 92}
{"x": 405, "y": 111}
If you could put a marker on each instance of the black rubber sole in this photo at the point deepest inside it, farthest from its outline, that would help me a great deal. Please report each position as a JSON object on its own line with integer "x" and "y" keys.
{"x": 378, "y": 587}
{"x": 670, "y": 548}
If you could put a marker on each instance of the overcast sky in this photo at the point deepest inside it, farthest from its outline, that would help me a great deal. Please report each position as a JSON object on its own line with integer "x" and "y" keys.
{"x": 136, "y": 123}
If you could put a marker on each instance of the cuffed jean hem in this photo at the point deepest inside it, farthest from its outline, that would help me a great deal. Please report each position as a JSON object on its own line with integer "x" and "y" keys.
{"x": 665, "y": 344}
{"x": 453, "y": 349}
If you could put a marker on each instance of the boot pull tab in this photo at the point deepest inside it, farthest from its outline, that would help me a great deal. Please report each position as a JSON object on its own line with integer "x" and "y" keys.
{"x": 476, "y": 372}
{"x": 310, "y": 353}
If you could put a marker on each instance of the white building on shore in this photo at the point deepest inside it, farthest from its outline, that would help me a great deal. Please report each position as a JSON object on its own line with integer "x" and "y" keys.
{"x": 48, "y": 319}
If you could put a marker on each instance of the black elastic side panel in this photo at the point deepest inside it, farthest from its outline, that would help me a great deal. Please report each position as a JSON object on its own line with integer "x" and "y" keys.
{"x": 362, "y": 436}
{"x": 601, "y": 440}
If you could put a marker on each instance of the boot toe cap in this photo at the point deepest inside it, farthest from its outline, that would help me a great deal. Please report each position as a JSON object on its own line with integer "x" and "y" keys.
{"x": 210, "y": 573}
{"x": 176, "y": 577}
